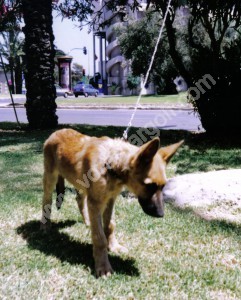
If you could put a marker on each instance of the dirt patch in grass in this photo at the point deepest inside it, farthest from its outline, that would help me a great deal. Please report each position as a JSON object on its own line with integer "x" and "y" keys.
{"x": 213, "y": 195}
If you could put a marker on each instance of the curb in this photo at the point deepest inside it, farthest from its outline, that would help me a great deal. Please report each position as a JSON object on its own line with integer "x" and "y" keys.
{"x": 125, "y": 107}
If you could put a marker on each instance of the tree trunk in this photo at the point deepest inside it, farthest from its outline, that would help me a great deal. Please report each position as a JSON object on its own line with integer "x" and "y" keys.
{"x": 12, "y": 81}
{"x": 176, "y": 57}
{"x": 39, "y": 73}
{"x": 18, "y": 76}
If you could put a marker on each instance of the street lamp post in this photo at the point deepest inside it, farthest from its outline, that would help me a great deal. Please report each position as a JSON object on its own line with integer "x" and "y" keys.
{"x": 102, "y": 38}
{"x": 84, "y": 49}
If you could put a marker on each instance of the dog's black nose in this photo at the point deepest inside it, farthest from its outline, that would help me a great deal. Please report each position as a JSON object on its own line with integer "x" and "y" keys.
{"x": 151, "y": 209}
{"x": 153, "y": 212}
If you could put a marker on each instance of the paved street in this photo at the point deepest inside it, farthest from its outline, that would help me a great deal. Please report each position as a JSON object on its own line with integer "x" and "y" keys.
{"x": 165, "y": 119}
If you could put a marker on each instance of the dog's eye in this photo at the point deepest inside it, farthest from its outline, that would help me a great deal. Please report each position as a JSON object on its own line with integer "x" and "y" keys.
{"x": 151, "y": 188}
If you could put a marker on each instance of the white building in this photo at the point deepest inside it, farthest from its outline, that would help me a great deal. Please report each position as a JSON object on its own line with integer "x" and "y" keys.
{"x": 116, "y": 67}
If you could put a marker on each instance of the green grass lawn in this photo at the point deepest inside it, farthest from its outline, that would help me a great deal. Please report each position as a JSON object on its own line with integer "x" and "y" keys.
{"x": 179, "y": 100}
{"x": 178, "y": 257}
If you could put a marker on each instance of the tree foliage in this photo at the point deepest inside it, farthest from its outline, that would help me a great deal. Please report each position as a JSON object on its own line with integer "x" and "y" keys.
{"x": 9, "y": 14}
{"x": 133, "y": 82}
{"x": 77, "y": 73}
{"x": 11, "y": 45}
{"x": 82, "y": 10}
{"x": 137, "y": 41}
{"x": 12, "y": 49}
{"x": 211, "y": 37}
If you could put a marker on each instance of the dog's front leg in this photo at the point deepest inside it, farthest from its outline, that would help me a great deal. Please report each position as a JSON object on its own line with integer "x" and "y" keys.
{"x": 109, "y": 228}
{"x": 102, "y": 264}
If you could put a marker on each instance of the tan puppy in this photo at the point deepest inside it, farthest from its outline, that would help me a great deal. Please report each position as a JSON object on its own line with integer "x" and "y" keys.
{"x": 98, "y": 168}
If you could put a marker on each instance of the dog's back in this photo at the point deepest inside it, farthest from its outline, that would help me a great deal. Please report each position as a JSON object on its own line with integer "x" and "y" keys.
{"x": 67, "y": 155}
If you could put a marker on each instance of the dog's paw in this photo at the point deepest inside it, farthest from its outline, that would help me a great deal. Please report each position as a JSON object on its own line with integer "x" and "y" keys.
{"x": 45, "y": 227}
{"x": 104, "y": 270}
{"x": 117, "y": 248}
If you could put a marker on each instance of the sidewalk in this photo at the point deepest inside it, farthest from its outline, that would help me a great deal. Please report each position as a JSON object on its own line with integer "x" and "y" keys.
{"x": 5, "y": 100}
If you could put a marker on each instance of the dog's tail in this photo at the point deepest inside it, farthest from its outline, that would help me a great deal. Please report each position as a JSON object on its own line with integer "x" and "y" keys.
{"x": 60, "y": 190}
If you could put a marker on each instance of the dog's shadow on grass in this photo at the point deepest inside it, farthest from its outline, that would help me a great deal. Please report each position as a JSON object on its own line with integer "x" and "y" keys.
{"x": 60, "y": 245}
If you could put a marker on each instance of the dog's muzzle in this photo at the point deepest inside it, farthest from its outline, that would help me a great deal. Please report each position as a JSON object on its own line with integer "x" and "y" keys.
{"x": 154, "y": 206}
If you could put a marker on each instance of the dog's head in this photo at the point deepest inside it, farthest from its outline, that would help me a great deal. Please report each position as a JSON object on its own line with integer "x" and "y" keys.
{"x": 148, "y": 176}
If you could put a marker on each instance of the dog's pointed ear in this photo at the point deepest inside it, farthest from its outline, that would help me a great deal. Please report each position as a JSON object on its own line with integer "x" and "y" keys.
{"x": 146, "y": 152}
{"x": 168, "y": 152}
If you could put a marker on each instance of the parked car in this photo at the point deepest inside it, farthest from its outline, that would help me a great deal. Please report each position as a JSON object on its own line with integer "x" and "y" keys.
{"x": 85, "y": 89}
{"x": 62, "y": 91}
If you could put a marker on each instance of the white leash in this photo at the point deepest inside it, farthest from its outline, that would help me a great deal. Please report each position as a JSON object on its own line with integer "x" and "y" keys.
{"x": 125, "y": 134}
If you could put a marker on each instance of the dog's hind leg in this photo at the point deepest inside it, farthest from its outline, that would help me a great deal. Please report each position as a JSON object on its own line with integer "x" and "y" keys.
{"x": 82, "y": 205}
{"x": 109, "y": 229}
{"x": 60, "y": 190}
{"x": 49, "y": 182}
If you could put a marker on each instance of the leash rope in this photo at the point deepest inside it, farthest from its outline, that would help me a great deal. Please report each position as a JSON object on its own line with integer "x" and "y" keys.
{"x": 125, "y": 133}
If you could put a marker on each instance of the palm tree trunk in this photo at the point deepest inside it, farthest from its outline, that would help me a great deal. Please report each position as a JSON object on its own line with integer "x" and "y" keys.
{"x": 39, "y": 74}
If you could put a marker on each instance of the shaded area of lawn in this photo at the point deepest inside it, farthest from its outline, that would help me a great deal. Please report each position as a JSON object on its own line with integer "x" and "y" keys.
{"x": 199, "y": 153}
{"x": 60, "y": 245}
